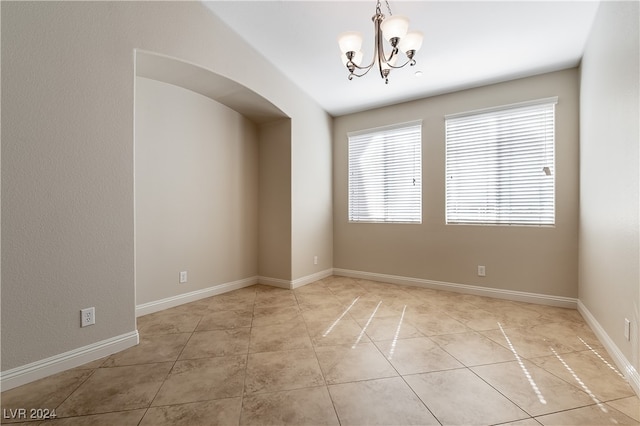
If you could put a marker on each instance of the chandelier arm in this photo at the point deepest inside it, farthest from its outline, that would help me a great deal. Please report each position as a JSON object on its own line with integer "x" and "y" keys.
{"x": 367, "y": 67}
{"x": 352, "y": 74}
{"x": 411, "y": 62}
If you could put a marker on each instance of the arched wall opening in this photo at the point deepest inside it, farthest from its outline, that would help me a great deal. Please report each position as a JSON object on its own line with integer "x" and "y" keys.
{"x": 212, "y": 184}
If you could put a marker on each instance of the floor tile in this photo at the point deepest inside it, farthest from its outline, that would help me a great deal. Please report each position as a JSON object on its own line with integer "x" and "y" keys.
{"x": 523, "y": 422}
{"x": 203, "y": 344}
{"x": 322, "y": 312}
{"x": 435, "y": 323}
{"x": 279, "y": 298}
{"x": 221, "y": 412}
{"x": 417, "y": 355}
{"x": 223, "y": 320}
{"x": 527, "y": 343}
{"x": 476, "y": 319}
{"x": 120, "y": 418}
{"x": 366, "y": 307}
{"x": 379, "y": 402}
{"x": 576, "y": 336}
{"x": 151, "y": 349}
{"x": 629, "y": 406}
{"x": 388, "y": 328}
{"x": 284, "y": 370}
{"x": 473, "y": 348}
{"x": 591, "y": 372}
{"x": 271, "y": 315}
{"x": 453, "y": 397}
{"x": 203, "y": 379}
{"x": 116, "y": 389}
{"x": 279, "y": 337}
{"x": 593, "y": 415}
{"x": 165, "y": 323}
{"x": 47, "y": 393}
{"x": 311, "y": 406}
{"x": 233, "y": 302}
{"x": 340, "y": 331}
{"x": 533, "y": 389}
{"x": 341, "y": 364}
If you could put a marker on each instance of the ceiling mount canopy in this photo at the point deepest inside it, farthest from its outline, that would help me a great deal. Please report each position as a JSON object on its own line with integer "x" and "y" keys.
{"x": 394, "y": 29}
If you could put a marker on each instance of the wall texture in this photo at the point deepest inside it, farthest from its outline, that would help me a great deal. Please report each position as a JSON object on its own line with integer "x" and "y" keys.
{"x": 609, "y": 177}
{"x": 68, "y": 158}
{"x": 539, "y": 260}
{"x": 196, "y": 186}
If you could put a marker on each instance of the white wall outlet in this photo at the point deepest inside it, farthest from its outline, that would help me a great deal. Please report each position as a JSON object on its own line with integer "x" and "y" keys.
{"x": 627, "y": 329}
{"x": 481, "y": 271}
{"x": 183, "y": 277}
{"x": 87, "y": 316}
{"x": 315, "y": 260}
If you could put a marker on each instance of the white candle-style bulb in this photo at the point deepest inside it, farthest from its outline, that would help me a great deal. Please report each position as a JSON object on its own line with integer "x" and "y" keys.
{"x": 395, "y": 26}
{"x": 412, "y": 41}
{"x": 351, "y": 41}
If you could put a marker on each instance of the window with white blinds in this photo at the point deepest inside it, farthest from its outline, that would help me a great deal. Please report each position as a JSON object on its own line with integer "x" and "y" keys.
{"x": 385, "y": 174}
{"x": 500, "y": 166}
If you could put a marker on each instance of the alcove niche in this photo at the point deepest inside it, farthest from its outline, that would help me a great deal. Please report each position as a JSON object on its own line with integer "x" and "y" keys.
{"x": 212, "y": 184}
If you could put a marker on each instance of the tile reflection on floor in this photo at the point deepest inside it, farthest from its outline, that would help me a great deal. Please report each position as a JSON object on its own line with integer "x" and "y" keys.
{"x": 345, "y": 351}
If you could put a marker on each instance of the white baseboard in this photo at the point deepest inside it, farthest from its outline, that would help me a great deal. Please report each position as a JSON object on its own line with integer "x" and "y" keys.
{"x": 519, "y": 296}
{"x": 298, "y": 282}
{"x": 275, "y": 282}
{"x": 170, "y": 302}
{"x": 630, "y": 373}
{"x": 58, "y": 363}
{"x": 311, "y": 278}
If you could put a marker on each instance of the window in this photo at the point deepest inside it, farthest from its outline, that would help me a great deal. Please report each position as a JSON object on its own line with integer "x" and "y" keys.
{"x": 500, "y": 165}
{"x": 385, "y": 174}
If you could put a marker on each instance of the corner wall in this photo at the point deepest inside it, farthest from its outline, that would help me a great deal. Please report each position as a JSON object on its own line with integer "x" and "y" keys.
{"x": 541, "y": 260}
{"x": 609, "y": 181}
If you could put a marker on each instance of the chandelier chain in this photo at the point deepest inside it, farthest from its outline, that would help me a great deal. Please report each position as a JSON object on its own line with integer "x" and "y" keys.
{"x": 379, "y": 6}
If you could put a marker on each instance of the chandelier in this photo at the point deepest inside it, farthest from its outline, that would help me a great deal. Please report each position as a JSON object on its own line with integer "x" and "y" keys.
{"x": 394, "y": 30}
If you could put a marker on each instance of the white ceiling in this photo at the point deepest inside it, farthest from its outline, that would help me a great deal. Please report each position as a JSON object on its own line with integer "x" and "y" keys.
{"x": 466, "y": 44}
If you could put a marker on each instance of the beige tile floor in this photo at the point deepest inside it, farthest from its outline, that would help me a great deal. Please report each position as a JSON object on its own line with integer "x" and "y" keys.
{"x": 346, "y": 351}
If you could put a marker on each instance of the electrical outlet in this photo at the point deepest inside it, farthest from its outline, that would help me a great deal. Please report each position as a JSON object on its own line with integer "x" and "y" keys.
{"x": 183, "y": 277}
{"x": 481, "y": 271}
{"x": 627, "y": 329}
{"x": 87, "y": 317}
{"x": 315, "y": 260}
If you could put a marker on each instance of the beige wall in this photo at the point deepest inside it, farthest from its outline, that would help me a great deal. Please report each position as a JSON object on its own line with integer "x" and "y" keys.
{"x": 539, "y": 260}
{"x": 609, "y": 180}
{"x": 274, "y": 259}
{"x": 312, "y": 208}
{"x": 67, "y": 157}
{"x": 196, "y": 186}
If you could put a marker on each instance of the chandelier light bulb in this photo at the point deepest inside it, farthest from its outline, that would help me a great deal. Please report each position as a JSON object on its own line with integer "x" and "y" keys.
{"x": 350, "y": 41}
{"x": 395, "y": 27}
{"x": 412, "y": 41}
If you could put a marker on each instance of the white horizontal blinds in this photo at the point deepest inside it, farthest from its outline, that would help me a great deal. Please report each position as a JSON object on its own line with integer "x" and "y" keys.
{"x": 385, "y": 177}
{"x": 500, "y": 166}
